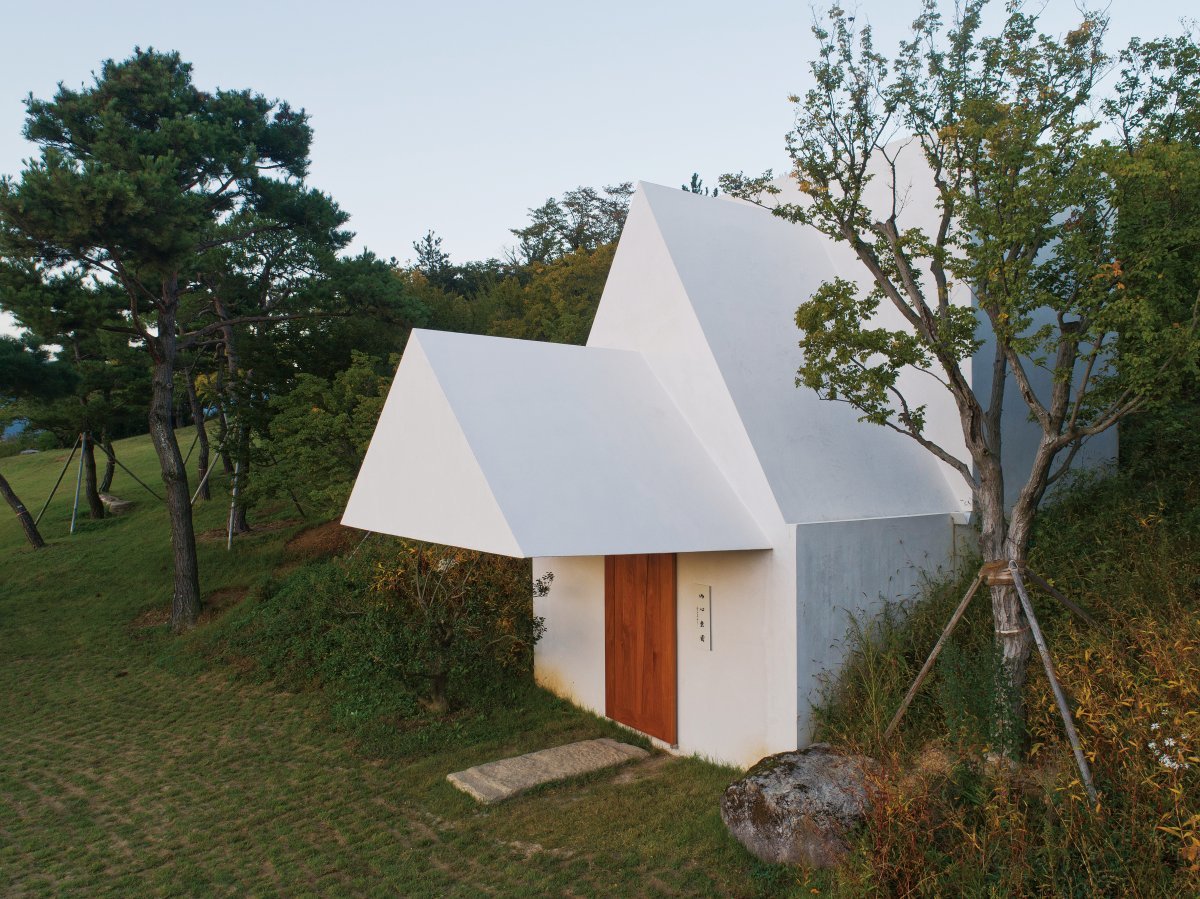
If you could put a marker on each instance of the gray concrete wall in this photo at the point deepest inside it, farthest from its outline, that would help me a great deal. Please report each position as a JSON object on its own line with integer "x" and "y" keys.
{"x": 853, "y": 567}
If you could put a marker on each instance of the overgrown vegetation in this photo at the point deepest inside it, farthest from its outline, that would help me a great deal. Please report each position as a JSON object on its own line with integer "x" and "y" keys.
{"x": 946, "y": 821}
{"x": 397, "y": 635}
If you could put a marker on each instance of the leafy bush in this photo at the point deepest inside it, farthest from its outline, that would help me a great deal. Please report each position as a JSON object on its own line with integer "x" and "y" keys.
{"x": 398, "y": 632}
{"x": 319, "y": 434}
{"x": 448, "y": 614}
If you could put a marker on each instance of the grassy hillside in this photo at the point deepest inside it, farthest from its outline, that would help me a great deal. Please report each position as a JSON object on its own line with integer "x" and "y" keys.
{"x": 131, "y": 763}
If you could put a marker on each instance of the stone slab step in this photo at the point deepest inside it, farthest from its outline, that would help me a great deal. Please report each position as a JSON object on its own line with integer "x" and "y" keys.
{"x": 505, "y": 778}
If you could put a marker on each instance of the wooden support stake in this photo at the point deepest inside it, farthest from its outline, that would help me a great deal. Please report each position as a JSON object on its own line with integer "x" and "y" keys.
{"x": 1063, "y": 708}
{"x": 78, "y": 479}
{"x": 66, "y": 465}
{"x": 200, "y": 486}
{"x": 1045, "y": 585}
{"x": 232, "y": 506}
{"x": 195, "y": 440}
{"x": 203, "y": 480}
{"x": 353, "y": 552}
{"x": 937, "y": 649}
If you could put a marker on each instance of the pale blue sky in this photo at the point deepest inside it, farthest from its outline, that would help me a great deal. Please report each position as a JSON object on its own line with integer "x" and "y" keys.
{"x": 458, "y": 116}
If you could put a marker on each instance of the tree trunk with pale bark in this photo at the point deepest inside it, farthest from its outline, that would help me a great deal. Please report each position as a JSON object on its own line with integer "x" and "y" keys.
{"x": 241, "y": 443}
{"x": 110, "y": 463}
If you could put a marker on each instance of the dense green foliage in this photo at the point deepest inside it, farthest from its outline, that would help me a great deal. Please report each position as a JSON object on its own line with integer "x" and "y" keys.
{"x": 398, "y": 634}
{"x": 318, "y": 434}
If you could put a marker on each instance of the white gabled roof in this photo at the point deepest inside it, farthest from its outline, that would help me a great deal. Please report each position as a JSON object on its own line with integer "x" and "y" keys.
{"x": 536, "y": 449}
{"x": 706, "y": 290}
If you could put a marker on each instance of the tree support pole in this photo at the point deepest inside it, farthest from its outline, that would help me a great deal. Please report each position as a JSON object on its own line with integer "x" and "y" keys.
{"x": 232, "y": 506}
{"x": 54, "y": 489}
{"x": 208, "y": 471}
{"x": 195, "y": 440}
{"x": 1045, "y": 585}
{"x": 1063, "y": 709}
{"x": 368, "y": 535}
{"x": 937, "y": 649}
{"x": 78, "y": 479}
{"x": 131, "y": 474}
{"x": 200, "y": 486}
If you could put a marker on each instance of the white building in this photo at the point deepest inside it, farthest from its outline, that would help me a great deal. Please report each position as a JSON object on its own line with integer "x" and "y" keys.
{"x": 709, "y": 524}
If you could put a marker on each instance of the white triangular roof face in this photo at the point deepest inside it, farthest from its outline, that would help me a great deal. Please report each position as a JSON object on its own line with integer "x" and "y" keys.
{"x": 742, "y": 273}
{"x": 420, "y": 477}
{"x": 536, "y": 449}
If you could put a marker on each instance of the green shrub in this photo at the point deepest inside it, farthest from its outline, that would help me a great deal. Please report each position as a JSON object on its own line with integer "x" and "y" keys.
{"x": 399, "y": 632}
{"x": 453, "y": 616}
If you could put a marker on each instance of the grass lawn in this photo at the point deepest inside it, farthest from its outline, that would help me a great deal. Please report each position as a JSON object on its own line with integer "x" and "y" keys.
{"x": 130, "y": 763}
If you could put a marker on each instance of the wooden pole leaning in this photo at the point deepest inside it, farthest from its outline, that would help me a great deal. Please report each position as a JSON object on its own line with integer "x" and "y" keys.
{"x": 1045, "y": 585}
{"x": 937, "y": 649}
{"x": 232, "y": 506}
{"x": 195, "y": 440}
{"x": 78, "y": 479}
{"x": 54, "y": 489}
{"x": 204, "y": 480}
{"x": 1063, "y": 709}
{"x": 200, "y": 486}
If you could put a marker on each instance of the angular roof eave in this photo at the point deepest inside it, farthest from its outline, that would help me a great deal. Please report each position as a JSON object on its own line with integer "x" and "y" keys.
{"x": 536, "y": 449}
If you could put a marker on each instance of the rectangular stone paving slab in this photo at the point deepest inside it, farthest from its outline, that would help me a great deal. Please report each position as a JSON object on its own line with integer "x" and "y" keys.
{"x": 506, "y": 778}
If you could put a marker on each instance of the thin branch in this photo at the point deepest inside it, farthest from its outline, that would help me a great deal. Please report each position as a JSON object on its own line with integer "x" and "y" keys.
{"x": 1066, "y": 462}
{"x": 188, "y": 338}
{"x": 1035, "y": 405}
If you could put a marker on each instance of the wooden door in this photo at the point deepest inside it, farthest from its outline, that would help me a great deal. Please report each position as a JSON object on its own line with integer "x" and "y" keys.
{"x": 639, "y": 643}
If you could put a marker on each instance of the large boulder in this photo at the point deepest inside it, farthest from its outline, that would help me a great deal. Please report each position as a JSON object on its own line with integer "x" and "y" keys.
{"x": 799, "y": 807}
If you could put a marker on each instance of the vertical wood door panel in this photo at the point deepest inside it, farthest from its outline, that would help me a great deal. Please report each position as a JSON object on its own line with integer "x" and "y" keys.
{"x": 640, "y": 644}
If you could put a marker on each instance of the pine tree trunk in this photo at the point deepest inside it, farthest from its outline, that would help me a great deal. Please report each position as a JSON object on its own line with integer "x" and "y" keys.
{"x": 202, "y": 438}
{"x": 110, "y": 463}
{"x": 95, "y": 506}
{"x": 185, "y": 600}
{"x": 31, "y": 532}
{"x": 223, "y": 427}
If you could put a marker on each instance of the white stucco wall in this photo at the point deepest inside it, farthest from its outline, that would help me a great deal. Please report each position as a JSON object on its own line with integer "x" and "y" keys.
{"x": 569, "y": 659}
{"x": 854, "y": 566}
{"x": 737, "y": 701}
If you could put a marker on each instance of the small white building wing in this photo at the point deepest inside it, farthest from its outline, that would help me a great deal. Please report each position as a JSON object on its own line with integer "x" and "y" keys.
{"x": 534, "y": 449}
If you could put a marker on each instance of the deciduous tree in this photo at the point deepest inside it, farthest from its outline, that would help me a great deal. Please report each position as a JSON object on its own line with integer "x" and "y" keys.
{"x": 1031, "y": 164}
